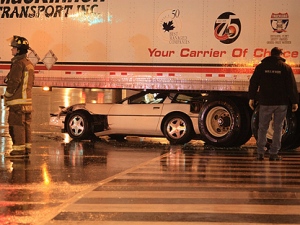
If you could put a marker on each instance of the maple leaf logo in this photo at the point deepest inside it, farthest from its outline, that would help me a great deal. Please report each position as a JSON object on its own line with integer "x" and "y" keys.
{"x": 168, "y": 26}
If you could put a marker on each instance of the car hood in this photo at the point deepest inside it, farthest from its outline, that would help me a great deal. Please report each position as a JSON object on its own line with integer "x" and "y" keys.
{"x": 102, "y": 109}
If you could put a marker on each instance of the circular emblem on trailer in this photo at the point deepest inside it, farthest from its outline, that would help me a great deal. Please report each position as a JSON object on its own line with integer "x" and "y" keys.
{"x": 227, "y": 28}
{"x": 169, "y": 24}
{"x": 279, "y": 22}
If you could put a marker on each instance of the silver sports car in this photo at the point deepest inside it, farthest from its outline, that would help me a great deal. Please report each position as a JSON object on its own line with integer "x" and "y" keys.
{"x": 173, "y": 115}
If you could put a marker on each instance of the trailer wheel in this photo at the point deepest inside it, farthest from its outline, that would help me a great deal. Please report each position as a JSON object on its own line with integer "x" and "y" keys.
{"x": 289, "y": 134}
{"x": 79, "y": 126}
{"x": 178, "y": 128}
{"x": 245, "y": 130}
{"x": 220, "y": 122}
{"x": 296, "y": 142}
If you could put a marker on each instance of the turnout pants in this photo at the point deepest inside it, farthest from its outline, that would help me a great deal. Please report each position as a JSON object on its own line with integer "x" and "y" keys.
{"x": 19, "y": 121}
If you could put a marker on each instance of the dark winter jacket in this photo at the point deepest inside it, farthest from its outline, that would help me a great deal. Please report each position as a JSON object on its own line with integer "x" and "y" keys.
{"x": 273, "y": 83}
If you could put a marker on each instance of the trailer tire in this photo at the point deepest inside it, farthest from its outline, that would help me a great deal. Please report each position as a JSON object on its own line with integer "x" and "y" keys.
{"x": 289, "y": 136}
{"x": 296, "y": 142}
{"x": 79, "y": 126}
{"x": 220, "y": 122}
{"x": 178, "y": 128}
{"x": 245, "y": 131}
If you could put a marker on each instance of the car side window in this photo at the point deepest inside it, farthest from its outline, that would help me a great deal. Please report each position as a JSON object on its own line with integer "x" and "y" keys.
{"x": 182, "y": 98}
{"x": 148, "y": 98}
{"x": 137, "y": 100}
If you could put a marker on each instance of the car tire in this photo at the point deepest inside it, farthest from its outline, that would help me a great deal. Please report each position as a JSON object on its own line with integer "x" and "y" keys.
{"x": 79, "y": 126}
{"x": 178, "y": 128}
{"x": 220, "y": 122}
{"x": 289, "y": 136}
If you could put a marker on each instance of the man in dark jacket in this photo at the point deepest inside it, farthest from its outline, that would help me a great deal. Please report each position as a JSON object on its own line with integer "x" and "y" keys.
{"x": 275, "y": 84}
{"x": 18, "y": 98}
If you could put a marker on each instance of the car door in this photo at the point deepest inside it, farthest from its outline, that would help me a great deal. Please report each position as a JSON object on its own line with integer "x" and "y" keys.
{"x": 136, "y": 116}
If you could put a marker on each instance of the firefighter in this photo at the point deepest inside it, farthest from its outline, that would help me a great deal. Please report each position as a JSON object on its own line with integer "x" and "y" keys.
{"x": 18, "y": 98}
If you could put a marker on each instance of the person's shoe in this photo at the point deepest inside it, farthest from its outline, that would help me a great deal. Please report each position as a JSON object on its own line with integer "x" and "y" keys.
{"x": 260, "y": 157}
{"x": 275, "y": 157}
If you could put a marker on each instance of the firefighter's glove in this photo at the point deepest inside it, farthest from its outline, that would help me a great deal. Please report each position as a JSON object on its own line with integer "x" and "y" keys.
{"x": 294, "y": 107}
{"x": 251, "y": 104}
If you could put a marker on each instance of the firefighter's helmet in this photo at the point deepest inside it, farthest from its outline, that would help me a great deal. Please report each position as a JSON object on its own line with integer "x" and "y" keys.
{"x": 19, "y": 42}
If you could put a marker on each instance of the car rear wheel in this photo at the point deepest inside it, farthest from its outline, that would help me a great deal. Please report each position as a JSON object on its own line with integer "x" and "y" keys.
{"x": 178, "y": 128}
{"x": 79, "y": 126}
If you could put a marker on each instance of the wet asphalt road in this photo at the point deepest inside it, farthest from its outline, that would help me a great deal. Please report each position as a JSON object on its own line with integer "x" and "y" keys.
{"x": 58, "y": 168}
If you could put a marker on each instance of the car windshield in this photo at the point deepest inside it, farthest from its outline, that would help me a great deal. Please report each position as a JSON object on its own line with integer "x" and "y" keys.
{"x": 159, "y": 97}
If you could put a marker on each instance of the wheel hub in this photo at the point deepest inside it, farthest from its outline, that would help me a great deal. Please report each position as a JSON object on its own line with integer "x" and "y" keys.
{"x": 218, "y": 121}
{"x": 224, "y": 121}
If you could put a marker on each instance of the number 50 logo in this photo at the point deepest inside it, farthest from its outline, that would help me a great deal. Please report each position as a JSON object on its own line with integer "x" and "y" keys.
{"x": 227, "y": 28}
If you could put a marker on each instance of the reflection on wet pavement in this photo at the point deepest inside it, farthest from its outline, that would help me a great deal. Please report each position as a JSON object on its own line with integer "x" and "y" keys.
{"x": 55, "y": 172}
{"x": 195, "y": 186}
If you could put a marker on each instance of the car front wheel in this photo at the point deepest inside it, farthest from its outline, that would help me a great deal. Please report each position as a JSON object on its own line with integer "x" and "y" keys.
{"x": 79, "y": 126}
{"x": 178, "y": 128}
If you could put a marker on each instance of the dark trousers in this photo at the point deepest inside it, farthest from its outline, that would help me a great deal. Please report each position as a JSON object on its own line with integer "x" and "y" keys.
{"x": 276, "y": 114}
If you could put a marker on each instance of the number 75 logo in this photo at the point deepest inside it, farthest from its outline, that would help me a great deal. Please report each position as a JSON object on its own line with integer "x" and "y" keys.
{"x": 227, "y": 28}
